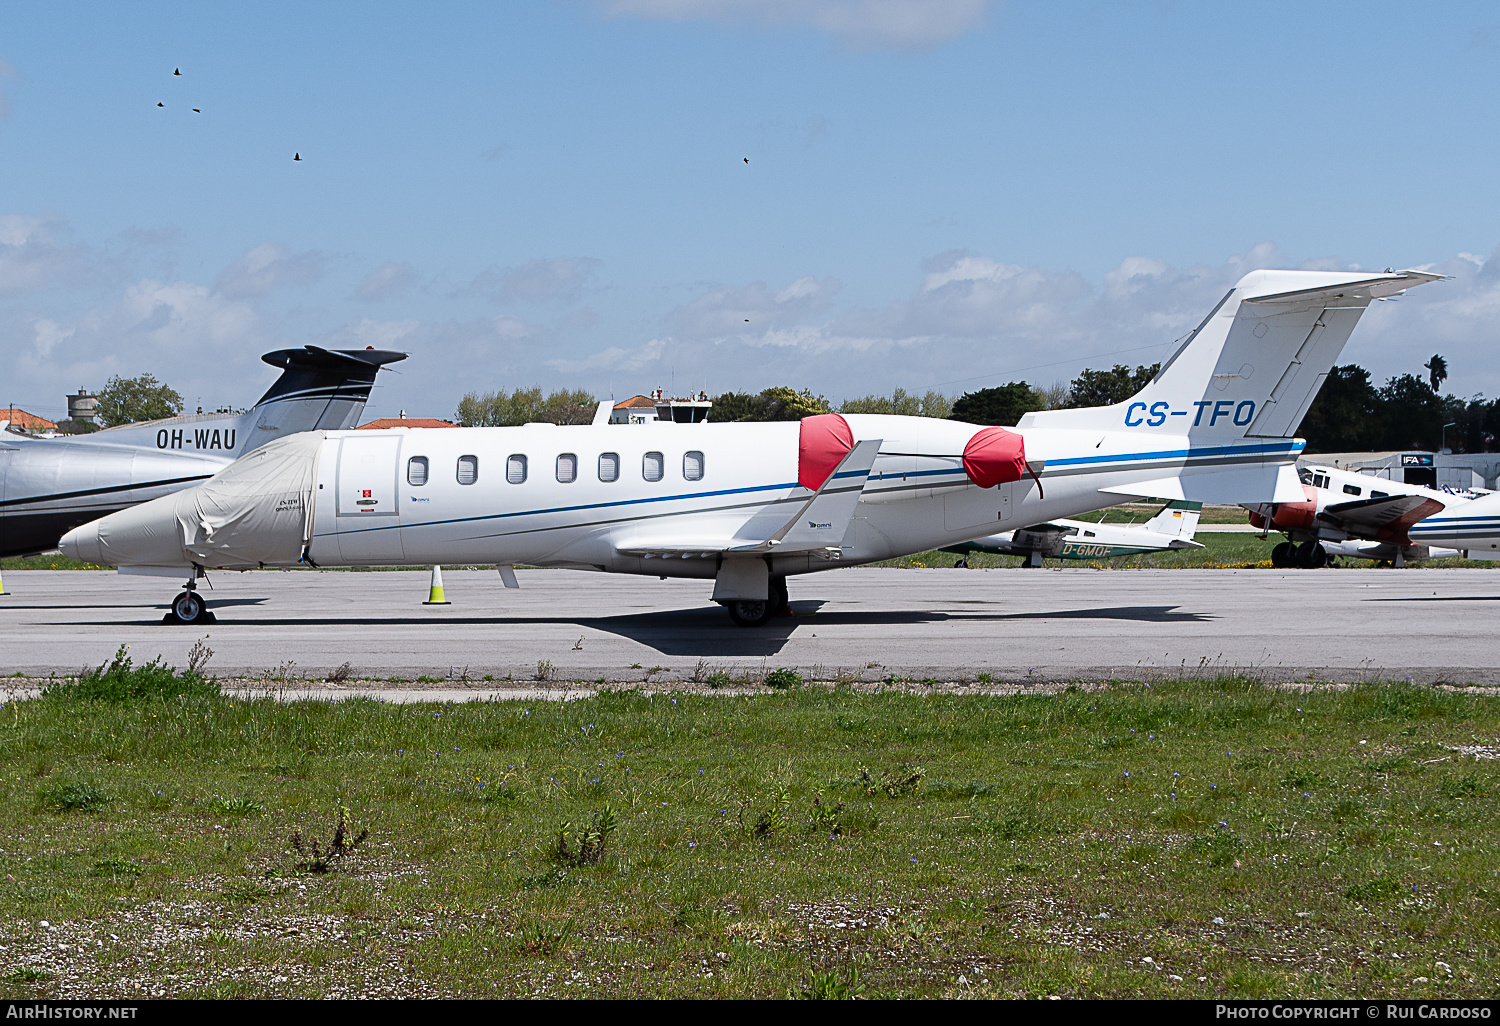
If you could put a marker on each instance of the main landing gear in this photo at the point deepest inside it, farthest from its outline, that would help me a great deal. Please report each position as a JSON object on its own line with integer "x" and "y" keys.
{"x": 1308, "y": 556}
{"x": 188, "y": 607}
{"x": 759, "y": 613}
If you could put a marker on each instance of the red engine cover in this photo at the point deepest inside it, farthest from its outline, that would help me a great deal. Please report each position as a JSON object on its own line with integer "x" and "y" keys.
{"x": 1294, "y": 515}
{"x": 825, "y": 440}
{"x": 994, "y": 456}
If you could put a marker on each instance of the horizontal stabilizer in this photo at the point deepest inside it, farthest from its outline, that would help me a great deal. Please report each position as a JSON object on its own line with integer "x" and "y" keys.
{"x": 1377, "y": 287}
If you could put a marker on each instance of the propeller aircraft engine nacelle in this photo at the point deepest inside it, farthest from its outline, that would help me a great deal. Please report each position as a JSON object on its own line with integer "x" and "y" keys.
{"x": 1288, "y": 516}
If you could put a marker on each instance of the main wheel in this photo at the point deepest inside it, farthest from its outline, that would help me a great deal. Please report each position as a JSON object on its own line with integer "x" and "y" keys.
{"x": 751, "y": 613}
{"x": 1311, "y": 556}
{"x": 1284, "y": 556}
{"x": 778, "y": 595}
{"x": 187, "y": 607}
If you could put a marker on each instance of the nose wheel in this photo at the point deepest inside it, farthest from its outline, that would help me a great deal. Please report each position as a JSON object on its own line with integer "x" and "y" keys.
{"x": 188, "y": 607}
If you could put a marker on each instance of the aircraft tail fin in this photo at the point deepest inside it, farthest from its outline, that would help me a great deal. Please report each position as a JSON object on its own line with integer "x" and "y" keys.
{"x": 1254, "y": 365}
{"x": 1177, "y": 519}
{"x": 319, "y": 390}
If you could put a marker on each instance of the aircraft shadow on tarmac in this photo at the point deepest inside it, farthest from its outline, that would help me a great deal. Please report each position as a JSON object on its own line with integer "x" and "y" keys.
{"x": 1440, "y": 598}
{"x": 212, "y": 604}
{"x": 708, "y": 631}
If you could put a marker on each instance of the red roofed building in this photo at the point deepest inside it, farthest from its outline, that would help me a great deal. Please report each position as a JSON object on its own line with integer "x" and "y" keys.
{"x": 634, "y": 410}
{"x": 20, "y": 420}
{"x": 406, "y": 422}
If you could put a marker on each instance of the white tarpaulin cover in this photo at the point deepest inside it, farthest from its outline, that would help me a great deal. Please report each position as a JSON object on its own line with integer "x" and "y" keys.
{"x": 265, "y": 496}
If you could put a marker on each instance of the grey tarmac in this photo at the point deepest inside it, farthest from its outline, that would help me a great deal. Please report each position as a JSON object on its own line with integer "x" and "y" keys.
{"x": 871, "y": 624}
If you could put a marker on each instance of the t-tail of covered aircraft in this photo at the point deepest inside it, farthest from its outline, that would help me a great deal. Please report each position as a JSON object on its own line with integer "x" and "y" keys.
{"x": 1236, "y": 390}
{"x": 319, "y": 390}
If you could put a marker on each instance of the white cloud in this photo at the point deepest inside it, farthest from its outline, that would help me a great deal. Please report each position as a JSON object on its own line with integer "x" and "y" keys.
{"x": 560, "y": 280}
{"x": 386, "y": 281}
{"x": 370, "y": 332}
{"x": 614, "y": 359}
{"x": 266, "y": 266}
{"x": 859, "y": 24}
{"x": 34, "y": 258}
{"x": 750, "y": 310}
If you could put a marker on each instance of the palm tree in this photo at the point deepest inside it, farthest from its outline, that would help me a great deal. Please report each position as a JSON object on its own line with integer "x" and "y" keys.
{"x": 1437, "y": 369}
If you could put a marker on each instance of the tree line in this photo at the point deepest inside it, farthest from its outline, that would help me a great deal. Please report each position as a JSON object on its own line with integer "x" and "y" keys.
{"x": 1349, "y": 414}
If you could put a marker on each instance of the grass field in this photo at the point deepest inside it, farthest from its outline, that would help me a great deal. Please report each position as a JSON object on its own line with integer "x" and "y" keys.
{"x": 1187, "y": 838}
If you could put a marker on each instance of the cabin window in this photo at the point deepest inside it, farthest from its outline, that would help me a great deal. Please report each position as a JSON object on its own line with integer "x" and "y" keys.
{"x": 1305, "y": 475}
{"x": 692, "y": 466}
{"x": 652, "y": 467}
{"x": 567, "y": 468}
{"x": 1352, "y": 489}
{"x": 1379, "y": 495}
{"x": 416, "y": 471}
{"x": 609, "y": 466}
{"x": 515, "y": 469}
{"x": 468, "y": 469}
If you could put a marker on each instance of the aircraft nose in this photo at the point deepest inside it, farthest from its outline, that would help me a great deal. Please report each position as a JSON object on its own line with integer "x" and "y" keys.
{"x": 82, "y": 543}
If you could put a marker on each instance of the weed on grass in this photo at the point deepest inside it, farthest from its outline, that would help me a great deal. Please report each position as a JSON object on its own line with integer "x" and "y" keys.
{"x": 120, "y": 681}
{"x": 583, "y": 846}
{"x": 783, "y": 679}
{"x": 324, "y": 858}
{"x": 77, "y": 796}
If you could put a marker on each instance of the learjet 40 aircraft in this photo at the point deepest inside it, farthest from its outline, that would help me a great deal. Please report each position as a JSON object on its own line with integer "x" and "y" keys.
{"x": 748, "y": 505}
{"x": 49, "y": 486}
{"x": 1172, "y": 528}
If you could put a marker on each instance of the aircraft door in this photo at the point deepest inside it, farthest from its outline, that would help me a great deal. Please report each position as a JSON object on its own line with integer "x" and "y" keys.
{"x": 977, "y": 507}
{"x": 367, "y": 513}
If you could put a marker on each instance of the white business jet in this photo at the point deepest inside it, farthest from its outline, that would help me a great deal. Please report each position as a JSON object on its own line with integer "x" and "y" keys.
{"x": 748, "y": 505}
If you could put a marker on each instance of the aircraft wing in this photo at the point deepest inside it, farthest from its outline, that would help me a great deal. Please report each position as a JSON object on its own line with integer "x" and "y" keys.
{"x": 817, "y": 528}
{"x": 1390, "y": 512}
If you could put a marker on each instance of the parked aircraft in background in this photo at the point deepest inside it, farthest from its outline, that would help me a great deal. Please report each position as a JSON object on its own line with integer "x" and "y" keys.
{"x": 1473, "y": 528}
{"x": 748, "y": 505}
{"x": 1343, "y": 513}
{"x": 50, "y": 486}
{"x": 1172, "y": 528}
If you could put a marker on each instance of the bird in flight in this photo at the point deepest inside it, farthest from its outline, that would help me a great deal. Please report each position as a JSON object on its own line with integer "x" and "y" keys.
{"x": 161, "y": 104}
{"x": 176, "y": 71}
{"x": 747, "y": 160}
{"x": 296, "y": 156}
{"x": 197, "y": 111}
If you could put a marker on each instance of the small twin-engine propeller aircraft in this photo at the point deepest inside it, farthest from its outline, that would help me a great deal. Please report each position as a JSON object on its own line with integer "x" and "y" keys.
{"x": 1343, "y": 513}
{"x": 50, "y": 486}
{"x": 1172, "y": 528}
{"x": 748, "y": 505}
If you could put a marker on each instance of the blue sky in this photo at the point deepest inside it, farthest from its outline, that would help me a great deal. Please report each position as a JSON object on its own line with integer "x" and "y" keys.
{"x": 945, "y": 194}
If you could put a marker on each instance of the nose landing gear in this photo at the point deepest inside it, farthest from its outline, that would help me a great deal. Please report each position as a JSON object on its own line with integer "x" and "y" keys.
{"x": 188, "y": 607}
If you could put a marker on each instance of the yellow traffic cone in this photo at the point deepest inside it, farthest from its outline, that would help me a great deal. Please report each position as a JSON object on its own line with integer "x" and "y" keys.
{"x": 435, "y": 593}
